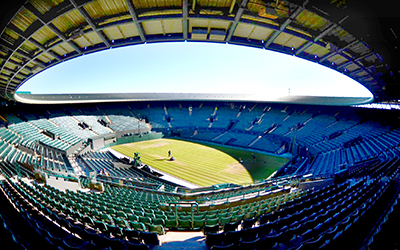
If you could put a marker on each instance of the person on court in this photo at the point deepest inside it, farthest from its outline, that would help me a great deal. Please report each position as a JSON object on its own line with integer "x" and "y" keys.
{"x": 254, "y": 157}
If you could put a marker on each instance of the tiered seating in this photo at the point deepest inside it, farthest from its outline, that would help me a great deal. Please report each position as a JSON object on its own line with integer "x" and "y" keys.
{"x": 364, "y": 130}
{"x": 91, "y": 120}
{"x": 249, "y": 217}
{"x": 69, "y": 225}
{"x": 53, "y": 160}
{"x": 72, "y": 128}
{"x": 237, "y": 139}
{"x": 103, "y": 162}
{"x": 304, "y": 223}
{"x": 211, "y": 219}
{"x": 201, "y": 134}
{"x": 268, "y": 144}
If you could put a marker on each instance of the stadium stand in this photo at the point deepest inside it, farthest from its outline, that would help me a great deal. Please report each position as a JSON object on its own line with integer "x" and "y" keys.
{"x": 344, "y": 172}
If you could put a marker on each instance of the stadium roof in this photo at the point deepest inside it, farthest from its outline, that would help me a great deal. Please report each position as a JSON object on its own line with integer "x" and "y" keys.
{"x": 352, "y": 38}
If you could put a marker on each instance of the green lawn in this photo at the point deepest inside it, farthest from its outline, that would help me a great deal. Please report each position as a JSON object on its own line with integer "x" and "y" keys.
{"x": 203, "y": 164}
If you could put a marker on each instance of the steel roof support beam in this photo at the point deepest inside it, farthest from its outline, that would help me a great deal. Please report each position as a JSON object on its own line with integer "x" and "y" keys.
{"x": 14, "y": 72}
{"x": 62, "y": 36}
{"x": 23, "y": 54}
{"x": 355, "y": 61}
{"x": 37, "y": 44}
{"x": 308, "y": 44}
{"x": 90, "y": 22}
{"x": 53, "y": 28}
{"x": 283, "y": 27}
{"x": 185, "y": 24}
{"x": 135, "y": 20}
{"x": 235, "y": 22}
{"x": 12, "y": 61}
{"x": 232, "y": 6}
{"x": 343, "y": 65}
{"x": 7, "y": 76}
{"x": 339, "y": 51}
{"x": 355, "y": 72}
{"x": 40, "y": 46}
{"x": 194, "y": 5}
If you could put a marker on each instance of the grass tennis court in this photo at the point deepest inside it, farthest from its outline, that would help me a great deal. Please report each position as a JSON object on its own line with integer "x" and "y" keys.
{"x": 203, "y": 164}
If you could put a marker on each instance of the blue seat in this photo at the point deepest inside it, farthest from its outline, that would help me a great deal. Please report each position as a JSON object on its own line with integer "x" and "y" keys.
{"x": 114, "y": 243}
{"x": 215, "y": 239}
{"x": 233, "y": 237}
{"x": 231, "y": 226}
{"x": 150, "y": 238}
{"x": 136, "y": 246}
{"x": 268, "y": 241}
{"x": 230, "y": 246}
{"x": 249, "y": 245}
{"x": 250, "y": 234}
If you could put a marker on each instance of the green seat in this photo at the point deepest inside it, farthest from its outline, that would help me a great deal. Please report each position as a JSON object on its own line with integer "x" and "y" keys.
{"x": 87, "y": 220}
{"x": 185, "y": 217}
{"x": 223, "y": 210}
{"x": 133, "y": 217}
{"x": 233, "y": 213}
{"x": 139, "y": 213}
{"x": 150, "y": 215}
{"x": 145, "y": 219}
{"x": 121, "y": 214}
{"x": 202, "y": 213}
{"x": 198, "y": 217}
{"x": 244, "y": 210}
{"x": 223, "y": 220}
{"x": 211, "y": 222}
{"x": 184, "y": 224}
{"x": 171, "y": 224}
{"x": 211, "y": 216}
{"x": 244, "y": 206}
{"x": 161, "y": 216}
{"x": 159, "y": 212}
{"x": 128, "y": 210}
{"x": 234, "y": 209}
{"x": 169, "y": 213}
{"x": 212, "y": 212}
{"x": 249, "y": 215}
{"x": 139, "y": 226}
{"x": 107, "y": 218}
{"x": 254, "y": 207}
{"x": 263, "y": 205}
{"x": 102, "y": 208}
{"x": 223, "y": 214}
{"x": 148, "y": 210}
{"x": 237, "y": 217}
{"x": 78, "y": 207}
{"x": 158, "y": 229}
{"x": 138, "y": 209}
{"x": 101, "y": 226}
{"x": 86, "y": 210}
{"x": 159, "y": 221}
{"x": 121, "y": 222}
{"x": 198, "y": 224}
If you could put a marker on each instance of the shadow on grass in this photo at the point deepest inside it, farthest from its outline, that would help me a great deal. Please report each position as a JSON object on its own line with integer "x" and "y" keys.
{"x": 163, "y": 159}
{"x": 259, "y": 168}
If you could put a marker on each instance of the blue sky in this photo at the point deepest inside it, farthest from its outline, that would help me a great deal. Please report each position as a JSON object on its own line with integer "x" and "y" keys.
{"x": 191, "y": 67}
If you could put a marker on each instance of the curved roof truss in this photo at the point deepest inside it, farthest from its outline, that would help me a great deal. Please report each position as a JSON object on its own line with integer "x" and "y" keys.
{"x": 43, "y": 33}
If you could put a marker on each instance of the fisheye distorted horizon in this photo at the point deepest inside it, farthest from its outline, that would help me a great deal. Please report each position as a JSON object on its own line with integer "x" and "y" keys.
{"x": 193, "y": 67}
